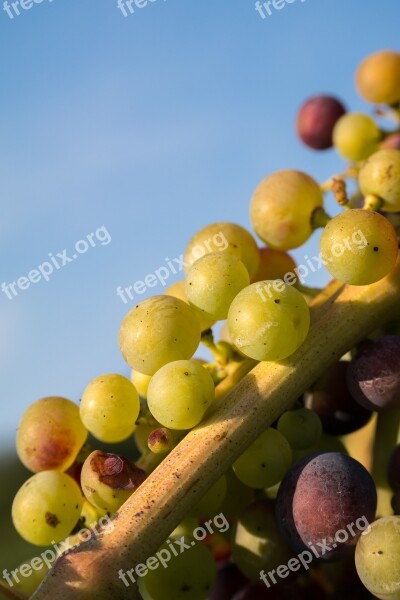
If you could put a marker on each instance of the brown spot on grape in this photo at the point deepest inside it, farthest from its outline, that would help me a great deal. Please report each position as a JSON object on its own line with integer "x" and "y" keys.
{"x": 51, "y": 519}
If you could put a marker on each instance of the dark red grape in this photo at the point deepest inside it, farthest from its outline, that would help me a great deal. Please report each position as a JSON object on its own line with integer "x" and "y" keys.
{"x": 331, "y": 400}
{"x": 324, "y": 503}
{"x": 373, "y": 375}
{"x": 229, "y": 581}
{"x": 394, "y": 469}
{"x": 316, "y": 120}
{"x": 396, "y": 503}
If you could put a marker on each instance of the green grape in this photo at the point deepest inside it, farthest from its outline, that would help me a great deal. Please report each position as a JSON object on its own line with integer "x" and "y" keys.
{"x": 266, "y": 461}
{"x": 282, "y": 206}
{"x": 29, "y": 583}
{"x": 380, "y": 176}
{"x": 378, "y": 77}
{"x": 47, "y": 507}
{"x": 109, "y": 408}
{"x": 377, "y": 558}
{"x": 302, "y": 428}
{"x": 213, "y": 282}
{"x": 157, "y": 331}
{"x": 188, "y": 576}
{"x": 180, "y": 393}
{"x": 212, "y": 500}
{"x": 141, "y": 383}
{"x": 257, "y": 543}
{"x": 224, "y": 237}
{"x": 359, "y": 247}
{"x": 356, "y": 136}
{"x": 268, "y": 320}
{"x": 108, "y": 480}
{"x": 50, "y": 435}
{"x": 237, "y": 496}
{"x": 177, "y": 290}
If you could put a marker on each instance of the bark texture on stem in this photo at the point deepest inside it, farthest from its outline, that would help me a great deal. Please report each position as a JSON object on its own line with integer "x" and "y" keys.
{"x": 148, "y": 517}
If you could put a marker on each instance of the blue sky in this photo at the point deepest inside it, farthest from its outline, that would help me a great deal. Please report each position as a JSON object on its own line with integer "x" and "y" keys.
{"x": 152, "y": 126}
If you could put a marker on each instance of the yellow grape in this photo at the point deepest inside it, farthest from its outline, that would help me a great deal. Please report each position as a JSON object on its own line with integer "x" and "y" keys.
{"x": 157, "y": 331}
{"x": 268, "y": 320}
{"x": 177, "y": 290}
{"x": 50, "y": 435}
{"x": 141, "y": 383}
{"x": 356, "y": 136}
{"x": 378, "y": 77}
{"x": 213, "y": 282}
{"x": 359, "y": 247}
{"x": 109, "y": 407}
{"x": 180, "y": 393}
{"x": 223, "y": 237}
{"x": 47, "y": 507}
{"x": 282, "y": 206}
{"x": 274, "y": 264}
{"x": 380, "y": 176}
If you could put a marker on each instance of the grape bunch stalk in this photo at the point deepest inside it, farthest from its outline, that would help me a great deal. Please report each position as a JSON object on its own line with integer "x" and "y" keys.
{"x": 291, "y": 432}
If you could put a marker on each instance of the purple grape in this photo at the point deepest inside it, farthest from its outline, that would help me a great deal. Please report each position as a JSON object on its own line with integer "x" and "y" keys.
{"x": 394, "y": 469}
{"x": 373, "y": 375}
{"x": 331, "y": 400}
{"x": 229, "y": 581}
{"x": 325, "y": 498}
{"x": 316, "y": 120}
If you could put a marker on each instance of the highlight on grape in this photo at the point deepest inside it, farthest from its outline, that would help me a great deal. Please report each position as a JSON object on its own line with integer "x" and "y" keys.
{"x": 103, "y": 526}
{"x": 305, "y": 558}
{"x": 215, "y": 243}
{"x": 357, "y": 241}
{"x": 45, "y": 270}
{"x": 174, "y": 547}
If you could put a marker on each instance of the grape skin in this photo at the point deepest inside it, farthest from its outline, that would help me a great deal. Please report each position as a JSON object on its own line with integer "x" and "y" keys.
{"x": 377, "y": 558}
{"x": 177, "y": 290}
{"x": 159, "y": 330}
{"x": 378, "y": 77}
{"x": 302, "y": 428}
{"x": 109, "y": 408}
{"x": 47, "y": 507}
{"x": 339, "y": 486}
{"x": 180, "y": 393}
{"x": 359, "y": 247}
{"x": 228, "y": 238}
{"x": 258, "y": 316}
{"x": 356, "y": 136}
{"x": 50, "y": 435}
{"x": 380, "y": 176}
{"x": 282, "y": 207}
{"x": 316, "y": 120}
{"x": 274, "y": 264}
{"x": 265, "y": 461}
{"x": 214, "y": 281}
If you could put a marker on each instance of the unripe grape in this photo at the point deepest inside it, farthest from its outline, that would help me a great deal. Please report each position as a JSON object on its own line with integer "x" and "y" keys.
{"x": 373, "y": 375}
{"x": 359, "y": 247}
{"x": 282, "y": 206}
{"x": 378, "y": 77}
{"x": 108, "y": 480}
{"x": 223, "y": 237}
{"x": 157, "y": 331}
{"x": 356, "y": 136}
{"x": 302, "y": 428}
{"x": 268, "y": 320}
{"x": 377, "y": 558}
{"x": 177, "y": 290}
{"x": 47, "y": 507}
{"x": 109, "y": 408}
{"x": 213, "y": 282}
{"x": 316, "y": 120}
{"x": 274, "y": 264}
{"x": 180, "y": 393}
{"x": 380, "y": 176}
{"x": 211, "y": 501}
{"x": 265, "y": 461}
{"x": 50, "y": 435}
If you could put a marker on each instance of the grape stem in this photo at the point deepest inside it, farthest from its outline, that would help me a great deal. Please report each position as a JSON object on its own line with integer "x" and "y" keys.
{"x": 342, "y": 316}
{"x": 319, "y": 218}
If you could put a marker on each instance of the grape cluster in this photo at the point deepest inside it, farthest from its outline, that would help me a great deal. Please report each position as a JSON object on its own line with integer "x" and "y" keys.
{"x": 301, "y": 483}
